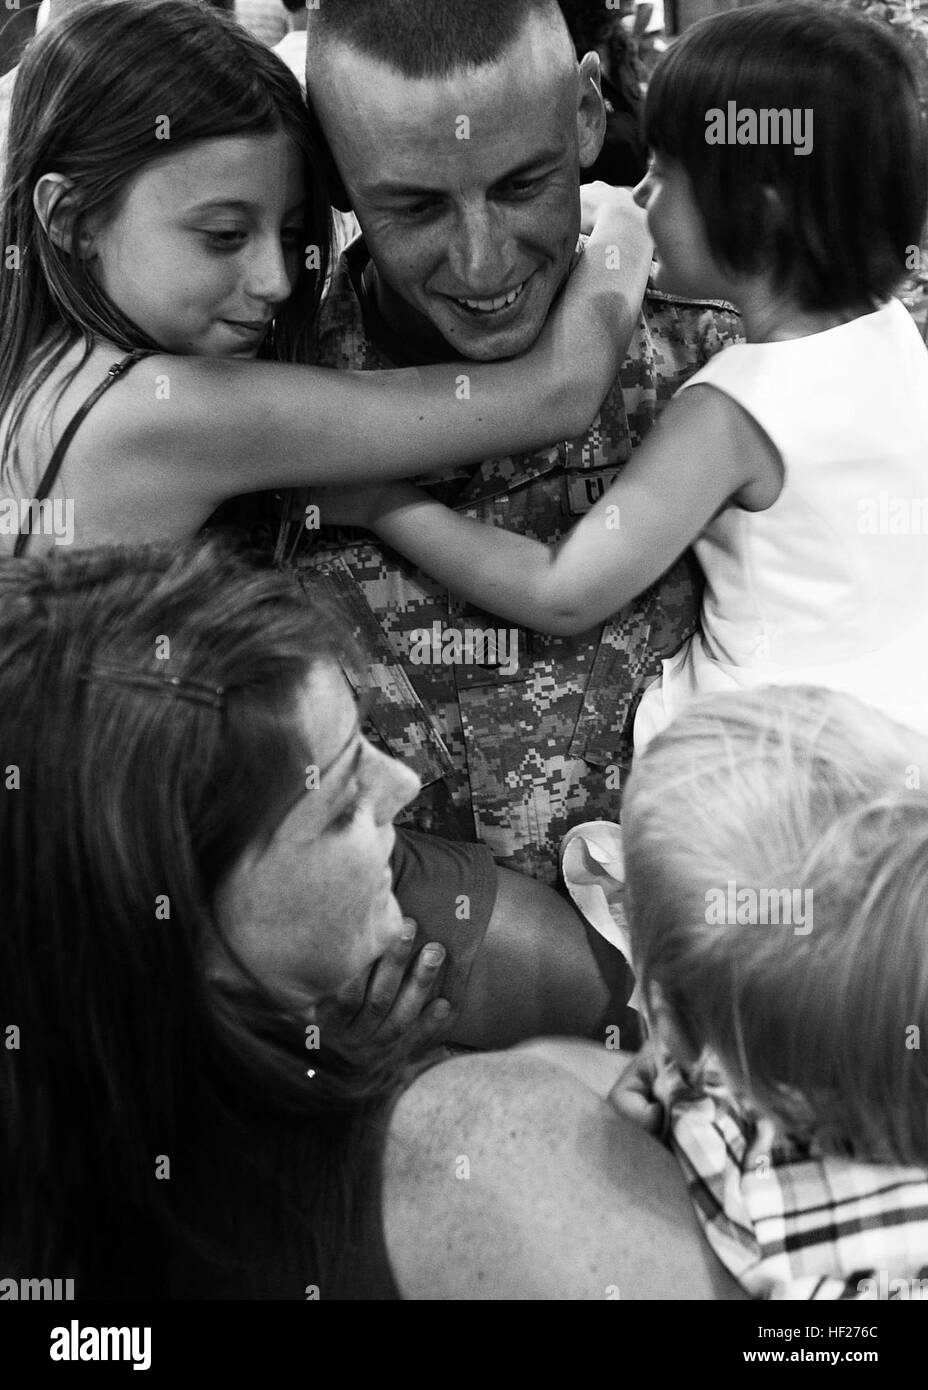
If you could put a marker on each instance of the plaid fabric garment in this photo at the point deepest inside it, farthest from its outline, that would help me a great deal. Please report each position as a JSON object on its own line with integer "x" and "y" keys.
{"x": 786, "y": 1222}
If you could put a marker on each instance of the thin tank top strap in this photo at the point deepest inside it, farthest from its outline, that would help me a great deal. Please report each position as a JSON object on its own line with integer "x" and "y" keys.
{"x": 47, "y": 482}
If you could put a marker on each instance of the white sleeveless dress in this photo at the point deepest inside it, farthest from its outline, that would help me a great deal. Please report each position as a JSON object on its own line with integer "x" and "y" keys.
{"x": 829, "y": 586}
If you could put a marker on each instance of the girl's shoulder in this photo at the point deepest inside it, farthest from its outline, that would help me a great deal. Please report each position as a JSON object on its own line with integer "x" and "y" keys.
{"x": 60, "y": 383}
{"x": 93, "y": 428}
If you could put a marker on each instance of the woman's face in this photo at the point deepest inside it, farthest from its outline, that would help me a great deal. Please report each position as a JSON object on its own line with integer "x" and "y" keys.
{"x": 206, "y": 244}
{"x": 314, "y": 908}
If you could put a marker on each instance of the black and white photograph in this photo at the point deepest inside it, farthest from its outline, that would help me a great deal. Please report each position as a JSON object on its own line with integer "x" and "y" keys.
{"x": 463, "y": 668}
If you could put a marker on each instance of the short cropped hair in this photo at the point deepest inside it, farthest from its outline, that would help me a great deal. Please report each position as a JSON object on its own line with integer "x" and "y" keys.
{"x": 429, "y": 38}
{"x": 823, "y": 1025}
{"x": 852, "y": 208}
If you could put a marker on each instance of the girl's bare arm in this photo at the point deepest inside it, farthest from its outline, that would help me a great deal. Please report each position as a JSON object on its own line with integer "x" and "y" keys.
{"x": 229, "y": 427}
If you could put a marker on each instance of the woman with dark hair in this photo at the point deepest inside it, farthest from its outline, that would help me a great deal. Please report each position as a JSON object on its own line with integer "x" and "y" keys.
{"x": 167, "y": 226}
{"x": 194, "y": 839}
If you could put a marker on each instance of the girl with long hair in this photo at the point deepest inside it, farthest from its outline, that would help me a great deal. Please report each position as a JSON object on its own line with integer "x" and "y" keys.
{"x": 165, "y": 225}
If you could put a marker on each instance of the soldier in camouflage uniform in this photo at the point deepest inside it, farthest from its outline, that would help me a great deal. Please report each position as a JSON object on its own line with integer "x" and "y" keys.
{"x": 515, "y": 758}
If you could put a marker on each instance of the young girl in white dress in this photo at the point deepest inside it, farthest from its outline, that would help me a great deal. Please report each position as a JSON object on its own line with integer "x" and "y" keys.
{"x": 789, "y": 177}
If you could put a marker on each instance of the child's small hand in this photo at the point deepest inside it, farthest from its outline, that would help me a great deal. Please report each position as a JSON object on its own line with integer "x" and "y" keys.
{"x": 632, "y": 1094}
{"x": 610, "y": 212}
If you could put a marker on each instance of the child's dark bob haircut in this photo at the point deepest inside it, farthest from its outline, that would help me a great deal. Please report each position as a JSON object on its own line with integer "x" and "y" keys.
{"x": 848, "y": 210}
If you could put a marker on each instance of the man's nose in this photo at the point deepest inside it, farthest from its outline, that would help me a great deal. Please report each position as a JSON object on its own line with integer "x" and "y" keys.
{"x": 481, "y": 252}
{"x": 268, "y": 278}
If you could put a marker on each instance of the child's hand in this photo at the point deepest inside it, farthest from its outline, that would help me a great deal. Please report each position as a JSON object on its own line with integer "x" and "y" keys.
{"x": 632, "y": 1094}
{"x": 604, "y": 207}
{"x": 611, "y": 214}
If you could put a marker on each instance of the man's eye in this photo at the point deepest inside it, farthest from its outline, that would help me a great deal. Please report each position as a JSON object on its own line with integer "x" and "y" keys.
{"x": 419, "y": 211}
{"x": 225, "y": 240}
{"x": 292, "y": 236}
{"x": 522, "y": 188}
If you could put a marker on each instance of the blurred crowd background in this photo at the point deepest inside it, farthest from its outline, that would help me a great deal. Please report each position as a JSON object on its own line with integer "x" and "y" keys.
{"x": 629, "y": 35}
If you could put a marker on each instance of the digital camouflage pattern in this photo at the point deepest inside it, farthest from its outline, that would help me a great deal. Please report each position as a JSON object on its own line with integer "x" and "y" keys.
{"x": 517, "y": 759}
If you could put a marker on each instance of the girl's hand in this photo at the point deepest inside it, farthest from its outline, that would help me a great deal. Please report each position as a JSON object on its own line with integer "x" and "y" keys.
{"x": 591, "y": 326}
{"x": 604, "y": 207}
{"x": 632, "y": 1095}
{"x": 617, "y": 230}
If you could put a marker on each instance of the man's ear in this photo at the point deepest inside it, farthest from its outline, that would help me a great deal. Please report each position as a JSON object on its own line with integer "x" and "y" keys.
{"x": 54, "y": 206}
{"x": 591, "y": 111}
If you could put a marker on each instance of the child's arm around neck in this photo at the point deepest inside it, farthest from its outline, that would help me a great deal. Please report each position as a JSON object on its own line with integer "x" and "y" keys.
{"x": 705, "y": 452}
{"x": 204, "y": 429}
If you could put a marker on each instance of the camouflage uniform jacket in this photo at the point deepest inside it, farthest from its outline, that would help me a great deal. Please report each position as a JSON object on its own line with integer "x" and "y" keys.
{"x": 515, "y": 758}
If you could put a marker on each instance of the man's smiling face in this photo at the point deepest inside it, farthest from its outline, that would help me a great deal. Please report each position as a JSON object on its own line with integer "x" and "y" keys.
{"x": 466, "y": 187}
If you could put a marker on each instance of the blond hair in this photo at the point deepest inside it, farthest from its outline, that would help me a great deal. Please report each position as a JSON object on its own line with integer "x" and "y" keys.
{"x": 784, "y": 791}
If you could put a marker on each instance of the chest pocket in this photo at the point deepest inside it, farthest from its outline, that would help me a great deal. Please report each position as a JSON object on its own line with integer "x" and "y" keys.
{"x": 583, "y": 490}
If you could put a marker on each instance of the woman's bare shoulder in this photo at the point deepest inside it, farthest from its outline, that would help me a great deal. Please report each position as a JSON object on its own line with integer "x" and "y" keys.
{"x": 507, "y": 1177}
